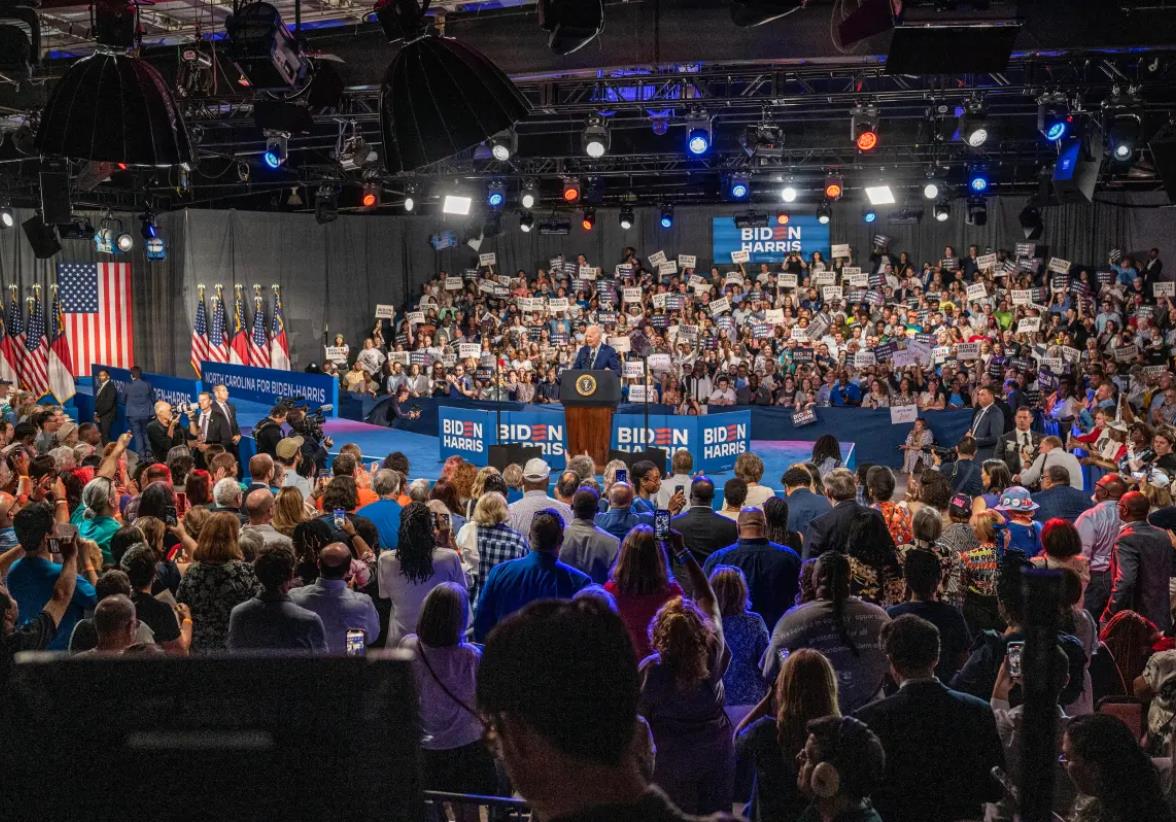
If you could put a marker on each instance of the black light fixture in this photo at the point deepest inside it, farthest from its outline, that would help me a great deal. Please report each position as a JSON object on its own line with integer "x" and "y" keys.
{"x": 596, "y": 138}
{"x": 1031, "y": 223}
{"x": 751, "y": 219}
{"x": 974, "y": 125}
{"x": 977, "y": 211}
{"x": 439, "y": 96}
{"x": 267, "y": 53}
{"x": 504, "y": 145}
{"x": 526, "y": 221}
{"x": 572, "y": 24}
{"x": 20, "y": 39}
{"x": 626, "y": 217}
{"x": 326, "y": 204}
{"x": 1123, "y": 129}
{"x": 942, "y": 212}
{"x": 824, "y": 213}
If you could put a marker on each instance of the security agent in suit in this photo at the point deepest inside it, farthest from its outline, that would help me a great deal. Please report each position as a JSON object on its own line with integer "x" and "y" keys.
{"x": 988, "y": 423}
{"x": 831, "y": 531}
{"x": 594, "y": 354}
{"x": 1141, "y": 565}
{"x": 964, "y": 472}
{"x": 105, "y": 403}
{"x": 1010, "y": 445}
{"x": 940, "y": 744}
{"x": 703, "y": 531}
{"x": 841, "y": 766}
{"x": 224, "y": 415}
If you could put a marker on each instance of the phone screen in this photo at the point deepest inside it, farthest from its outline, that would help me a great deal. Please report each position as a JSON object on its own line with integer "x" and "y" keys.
{"x": 339, "y": 516}
{"x": 622, "y": 475}
{"x": 1014, "y": 657}
{"x": 679, "y": 489}
{"x": 355, "y": 642}
{"x": 661, "y": 524}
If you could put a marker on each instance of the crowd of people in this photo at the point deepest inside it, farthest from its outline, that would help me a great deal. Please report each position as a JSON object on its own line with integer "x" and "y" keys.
{"x": 812, "y": 649}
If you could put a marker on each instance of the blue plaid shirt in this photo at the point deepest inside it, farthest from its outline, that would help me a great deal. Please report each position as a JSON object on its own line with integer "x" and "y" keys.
{"x": 497, "y": 543}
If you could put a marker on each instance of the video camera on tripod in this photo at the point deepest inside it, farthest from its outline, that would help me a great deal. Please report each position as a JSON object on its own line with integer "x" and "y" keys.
{"x": 304, "y": 420}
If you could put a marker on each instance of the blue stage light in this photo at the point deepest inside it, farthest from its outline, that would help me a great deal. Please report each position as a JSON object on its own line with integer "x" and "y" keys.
{"x": 698, "y": 141}
{"x": 1056, "y": 131}
{"x": 739, "y": 189}
{"x": 870, "y": 215}
{"x": 667, "y": 216}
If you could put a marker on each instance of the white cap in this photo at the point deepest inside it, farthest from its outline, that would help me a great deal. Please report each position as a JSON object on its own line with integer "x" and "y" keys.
{"x": 536, "y": 469}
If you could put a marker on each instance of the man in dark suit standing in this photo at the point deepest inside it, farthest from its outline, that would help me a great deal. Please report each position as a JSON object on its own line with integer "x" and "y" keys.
{"x": 940, "y": 744}
{"x": 1141, "y": 564}
{"x": 1057, "y": 498}
{"x": 595, "y": 354}
{"x": 832, "y": 531}
{"x": 105, "y": 404}
{"x": 987, "y": 423}
{"x": 1009, "y": 446}
{"x": 222, "y": 425}
{"x": 803, "y": 505}
{"x": 703, "y": 531}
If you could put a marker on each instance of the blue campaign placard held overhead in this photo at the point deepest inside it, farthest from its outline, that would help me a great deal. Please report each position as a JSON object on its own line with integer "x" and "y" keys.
{"x": 769, "y": 244}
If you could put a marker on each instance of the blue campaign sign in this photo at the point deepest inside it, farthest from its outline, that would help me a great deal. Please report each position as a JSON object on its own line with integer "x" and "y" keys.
{"x": 467, "y": 432}
{"x": 716, "y": 440}
{"x": 543, "y": 428}
{"x": 770, "y": 244}
{"x": 629, "y": 432}
{"x": 722, "y": 438}
{"x": 265, "y": 385}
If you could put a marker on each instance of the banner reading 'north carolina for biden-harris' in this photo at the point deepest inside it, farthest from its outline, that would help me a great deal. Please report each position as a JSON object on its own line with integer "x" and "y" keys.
{"x": 715, "y": 440}
{"x": 769, "y": 244}
{"x": 469, "y": 433}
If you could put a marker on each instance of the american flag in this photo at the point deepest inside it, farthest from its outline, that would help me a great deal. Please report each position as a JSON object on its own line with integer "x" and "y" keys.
{"x": 96, "y": 301}
{"x": 279, "y": 344}
{"x": 35, "y": 372}
{"x": 61, "y": 380}
{"x": 258, "y": 342}
{"x": 239, "y": 344}
{"x": 7, "y": 369}
{"x": 13, "y": 342}
{"x": 200, "y": 336}
{"x": 218, "y": 351}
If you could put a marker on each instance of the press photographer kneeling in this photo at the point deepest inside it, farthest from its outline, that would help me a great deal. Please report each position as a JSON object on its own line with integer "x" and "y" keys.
{"x": 960, "y": 467}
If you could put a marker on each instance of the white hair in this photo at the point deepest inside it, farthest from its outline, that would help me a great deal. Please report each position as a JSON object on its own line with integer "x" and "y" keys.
{"x": 63, "y": 458}
{"x": 226, "y": 492}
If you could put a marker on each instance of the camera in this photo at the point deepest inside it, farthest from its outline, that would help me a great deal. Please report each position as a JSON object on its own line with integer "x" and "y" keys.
{"x": 182, "y": 408}
{"x": 942, "y": 452}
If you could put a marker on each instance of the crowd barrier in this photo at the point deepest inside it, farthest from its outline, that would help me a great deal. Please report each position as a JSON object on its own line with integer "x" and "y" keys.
{"x": 875, "y": 437}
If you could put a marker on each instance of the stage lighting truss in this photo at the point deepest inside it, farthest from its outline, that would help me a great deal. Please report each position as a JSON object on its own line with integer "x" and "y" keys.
{"x": 276, "y": 149}
{"x": 267, "y": 53}
{"x": 626, "y": 217}
{"x": 596, "y": 137}
{"x": 863, "y": 127}
{"x": 698, "y": 133}
{"x": 1054, "y": 119}
{"x": 503, "y": 145}
{"x": 974, "y": 127}
{"x": 326, "y": 204}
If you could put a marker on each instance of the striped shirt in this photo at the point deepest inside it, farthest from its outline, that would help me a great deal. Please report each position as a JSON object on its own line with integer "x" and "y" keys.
{"x": 1099, "y": 529}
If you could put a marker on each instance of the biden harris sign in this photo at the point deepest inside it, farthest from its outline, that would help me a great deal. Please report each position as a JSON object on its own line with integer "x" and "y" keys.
{"x": 469, "y": 433}
{"x": 715, "y": 440}
{"x": 768, "y": 244}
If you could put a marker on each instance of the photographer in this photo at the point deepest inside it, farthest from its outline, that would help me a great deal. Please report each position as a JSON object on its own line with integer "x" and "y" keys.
{"x": 310, "y": 428}
{"x": 164, "y": 432}
{"x": 268, "y": 432}
{"x": 399, "y": 410}
{"x": 964, "y": 472}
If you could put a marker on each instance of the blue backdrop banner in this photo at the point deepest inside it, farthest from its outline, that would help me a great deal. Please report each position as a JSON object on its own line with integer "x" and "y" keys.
{"x": 770, "y": 244}
{"x": 715, "y": 439}
{"x": 265, "y": 385}
{"x": 467, "y": 432}
{"x": 543, "y": 429}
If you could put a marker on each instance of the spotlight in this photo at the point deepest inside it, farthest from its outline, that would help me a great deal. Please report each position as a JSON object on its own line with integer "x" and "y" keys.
{"x": 941, "y": 211}
{"x": 869, "y": 215}
{"x": 824, "y": 213}
{"x": 782, "y": 218}
{"x": 974, "y": 128}
{"x": 326, "y": 204}
{"x": 268, "y": 54}
{"x": 276, "y": 144}
{"x": 125, "y": 242}
{"x": 1031, "y": 223}
{"x": 503, "y": 145}
{"x": 880, "y": 195}
{"x": 863, "y": 127}
{"x": 7, "y": 217}
{"x": 667, "y": 216}
{"x": 834, "y": 187}
{"x": 571, "y": 189}
{"x": 456, "y": 204}
{"x": 409, "y": 197}
{"x": 977, "y": 211}
{"x": 626, "y": 217}
{"x": 588, "y": 222}
{"x": 977, "y": 179}
{"x": 496, "y": 194}
{"x": 659, "y": 122}
{"x": 738, "y": 187}
{"x": 698, "y": 134}
{"x": 526, "y": 221}
{"x": 369, "y": 196}
{"x": 149, "y": 230}
{"x": 932, "y": 189}
{"x": 788, "y": 194}
{"x": 529, "y": 195}
{"x": 1053, "y": 116}
{"x": 1122, "y": 135}
{"x": 596, "y": 138}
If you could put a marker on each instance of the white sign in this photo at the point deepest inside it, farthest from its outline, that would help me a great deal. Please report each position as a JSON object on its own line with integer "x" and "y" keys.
{"x": 668, "y": 267}
{"x": 986, "y": 261}
{"x": 336, "y": 354}
{"x": 977, "y": 291}
{"x": 634, "y": 369}
{"x": 788, "y": 281}
{"x": 638, "y": 393}
{"x": 824, "y": 278}
{"x": 1164, "y": 289}
{"x": 830, "y": 293}
{"x": 700, "y": 287}
{"x": 621, "y": 344}
{"x": 468, "y": 351}
{"x": 1029, "y": 325}
{"x": 774, "y": 316}
{"x": 632, "y": 295}
{"x": 587, "y": 272}
{"x": 940, "y": 353}
{"x": 857, "y": 280}
{"x": 840, "y": 250}
{"x": 864, "y": 359}
{"x": 659, "y": 362}
{"x": 1055, "y": 365}
{"x": 687, "y": 261}
{"x": 385, "y": 312}
{"x": 657, "y": 258}
{"x": 1071, "y": 355}
{"x": 1057, "y": 264}
{"x": 1022, "y": 297}
{"x": 415, "y": 317}
{"x": 903, "y": 414}
{"x": 557, "y": 305}
{"x": 398, "y": 356}
{"x": 720, "y": 305}
{"x": 800, "y": 334}
{"x": 1126, "y": 353}
{"x": 740, "y": 256}
{"x": 733, "y": 278}
{"x": 968, "y": 351}
{"x": 487, "y": 286}
{"x": 487, "y": 259}
{"x": 659, "y": 300}
{"x": 454, "y": 284}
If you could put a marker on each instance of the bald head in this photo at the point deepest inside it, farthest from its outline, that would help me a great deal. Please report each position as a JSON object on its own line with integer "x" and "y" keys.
{"x": 1133, "y": 507}
{"x": 752, "y": 523}
{"x": 115, "y": 624}
{"x": 259, "y": 505}
{"x": 620, "y": 495}
{"x": 6, "y": 503}
{"x": 334, "y": 561}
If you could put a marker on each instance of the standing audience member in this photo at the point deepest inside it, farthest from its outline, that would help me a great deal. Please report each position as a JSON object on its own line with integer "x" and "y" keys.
{"x": 703, "y": 530}
{"x": 406, "y": 575}
{"x": 385, "y": 511}
{"x": 271, "y": 621}
{"x": 217, "y": 581}
{"x": 496, "y": 541}
{"x": 587, "y": 547}
{"x": 776, "y": 512}
{"x": 880, "y": 484}
{"x": 38, "y": 632}
{"x": 854, "y": 763}
{"x": 1024, "y": 533}
{"x": 681, "y": 464}
{"x": 172, "y": 628}
{"x": 536, "y": 473}
{"x": 923, "y": 572}
{"x": 1062, "y": 548}
{"x": 640, "y": 584}
{"x": 746, "y": 636}
{"x": 1141, "y": 565}
{"x": 340, "y": 608}
{"x": 750, "y": 468}
{"x": 1116, "y": 780}
{"x": 831, "y": 531}
{"x": 1052, "y": 452}
{"x": 771, "y": 571}
{"x": 619, "y": 518}
{"x": 1099, "y": 529}
{"x": 259, "y": 508}
{"x": 1057, "y": 499}
{"x": 803, "y": 505}
{"x": 734, "y": 496}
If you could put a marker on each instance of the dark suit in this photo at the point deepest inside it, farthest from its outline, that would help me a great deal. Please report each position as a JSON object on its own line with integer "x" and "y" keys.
{"x": 964, "y": 476}
{"x": 1141, "y": 563}
{"x": 1008, "y": 448}
{"x": 988, "y": 424}
{"x": 830, "y": 531}
{"x": 940, "y": 746}
{"x": 772, "y": 572}
{"x": 223, "y": 427}
{"x": 703, "y": 531}
{"x": 606, "y": 357}
{"x": 803, "y": 507}
{"x": 106, "y": 407}
{"x": 1061, "y": 501}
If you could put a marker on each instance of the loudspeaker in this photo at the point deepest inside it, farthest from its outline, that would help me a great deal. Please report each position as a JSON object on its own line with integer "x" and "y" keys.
{"x": 657, "y": 456}
{"x": 503, "y": 455}
{"x": 1163, "y": 149}
{"x": 55, "y": 207}
{"x": 42, "y": 237}
{"x": 1076, "y": 171}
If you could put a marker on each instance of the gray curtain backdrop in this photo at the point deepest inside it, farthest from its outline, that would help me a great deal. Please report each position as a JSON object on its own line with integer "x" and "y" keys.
{"x": 332, "y": 276}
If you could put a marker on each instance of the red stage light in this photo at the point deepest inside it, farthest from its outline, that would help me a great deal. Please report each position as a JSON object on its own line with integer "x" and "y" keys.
{"x": 867, "y": 141}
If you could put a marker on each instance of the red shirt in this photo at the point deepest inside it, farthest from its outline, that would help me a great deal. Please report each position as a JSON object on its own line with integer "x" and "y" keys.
{"x": 637, "y": 610}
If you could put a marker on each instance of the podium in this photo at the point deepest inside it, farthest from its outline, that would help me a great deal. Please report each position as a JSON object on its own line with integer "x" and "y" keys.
{"x": 589, "y": 399}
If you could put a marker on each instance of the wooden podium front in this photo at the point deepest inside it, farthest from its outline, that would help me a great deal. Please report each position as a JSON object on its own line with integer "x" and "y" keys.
{"x": 589, "y": 399}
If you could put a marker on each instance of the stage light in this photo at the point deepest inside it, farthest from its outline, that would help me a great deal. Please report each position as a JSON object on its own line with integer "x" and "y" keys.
{"x": 941, "y": 211}
{"x": 1031, "y": 223}
{"x": 269, "y": 55}
{"x": 276, "y": 145}
{"x": 571, "y": 190}
{"x": 978, "y": 179}
{"x": 1123, "y": 135}
{"x": 503, "y": 145}
{"x": 7, "y": 217}
{"x": 529, "y": 194}
{"x": 369, "y": 195}
{"x": 698, "y": 134}
{"x": 932, "y": 189}
{"x": 149, "y": 230}
{"x": 977, "y": 211}
{"x": 863, "y": 127}
{"x": 782, "y": 218}
{"x": 667, "y": 216}
{"x": 824, "y": 213}
{"x": 880, "y": 195}
{"x": 456, "y": 204}
{"x": 869, "y": 215}
{"x": 326, "y": 204}
{"x": 124, "y": 242}
{"x": 834, "y": 187}
{"x": 409, "y": 197}
{"x": 526, "y": 221}
{"x": 974, "y": 128}
{"x": 496, "y": 194}
{"x": 1053, "y": 116}
{"x": 788, "y": 194}
{"x": 588, "y": 221}
{"x": 596, "y": 137}
{"x": 738, "y": 187}
{"x": 626, "y": 217}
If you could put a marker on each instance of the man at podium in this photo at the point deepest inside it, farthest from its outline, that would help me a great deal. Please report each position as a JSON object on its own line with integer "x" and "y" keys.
{"x": 595, "y": 354}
